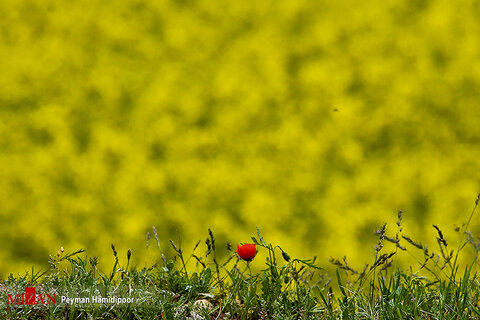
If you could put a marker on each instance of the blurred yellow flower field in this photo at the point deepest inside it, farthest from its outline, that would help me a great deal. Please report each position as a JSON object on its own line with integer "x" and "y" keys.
{"x": 314, "y": 120}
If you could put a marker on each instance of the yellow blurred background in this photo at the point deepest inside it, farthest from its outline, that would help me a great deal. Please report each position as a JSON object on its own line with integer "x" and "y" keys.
{"x": 314, "y": 120}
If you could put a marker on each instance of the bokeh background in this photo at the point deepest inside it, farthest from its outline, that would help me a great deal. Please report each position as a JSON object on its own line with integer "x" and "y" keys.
{"x": 314, "y": 120}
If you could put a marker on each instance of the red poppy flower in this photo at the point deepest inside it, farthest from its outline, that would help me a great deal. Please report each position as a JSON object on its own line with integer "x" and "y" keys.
{"x": 246, "y": 251}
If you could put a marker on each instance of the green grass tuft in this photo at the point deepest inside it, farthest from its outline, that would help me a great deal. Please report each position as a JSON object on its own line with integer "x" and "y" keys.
{"x": 199, "y": 287}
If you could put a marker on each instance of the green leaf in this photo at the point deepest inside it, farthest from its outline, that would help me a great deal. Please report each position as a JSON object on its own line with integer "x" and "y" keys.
{"x": 340, "y": 285}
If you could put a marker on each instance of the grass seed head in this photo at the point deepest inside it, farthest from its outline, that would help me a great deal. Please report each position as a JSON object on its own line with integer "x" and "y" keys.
{"x": 114, "y": 251}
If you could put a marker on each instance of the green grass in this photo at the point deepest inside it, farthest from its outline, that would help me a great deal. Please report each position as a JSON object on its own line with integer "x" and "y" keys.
{"x": 197, "y": 286}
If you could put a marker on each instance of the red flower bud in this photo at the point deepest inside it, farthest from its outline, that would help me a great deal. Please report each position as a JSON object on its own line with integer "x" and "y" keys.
{"x": 247, "y": 251}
